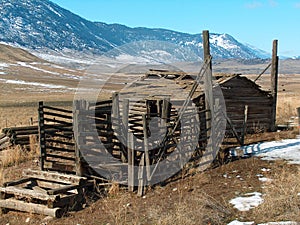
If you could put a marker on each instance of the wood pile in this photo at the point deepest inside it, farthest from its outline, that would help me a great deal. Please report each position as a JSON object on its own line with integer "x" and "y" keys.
{"x": 47, "y": 193}
{"x": 20, "y": 135}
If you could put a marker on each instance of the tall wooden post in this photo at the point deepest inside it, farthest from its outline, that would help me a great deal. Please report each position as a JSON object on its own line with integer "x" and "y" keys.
{"x": 208, "y": 87}
{"x": 298, "y": 111}
{"x": 146, "y": 147}
{"x": 274, "y": 84}
{"x": 42, "y": 135}
{"x": 80, "y": 112}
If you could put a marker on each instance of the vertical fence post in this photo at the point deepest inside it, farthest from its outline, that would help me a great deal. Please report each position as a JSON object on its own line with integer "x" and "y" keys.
{"x": 208, "y": 89}
{"x": 76, "y": 119}
{"x": 274, "y": 84}
{"x": 42, "y": 136}
{"x": 146, "y": 147}
{"x": 298, "y": 111}
{"x": 244, "y": 124}
{"x": 130, "y": 148}
{"x": 141, "y": 176}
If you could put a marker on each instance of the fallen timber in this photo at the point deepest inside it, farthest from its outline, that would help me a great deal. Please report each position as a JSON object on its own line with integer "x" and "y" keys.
{"x": 49, "y": 193}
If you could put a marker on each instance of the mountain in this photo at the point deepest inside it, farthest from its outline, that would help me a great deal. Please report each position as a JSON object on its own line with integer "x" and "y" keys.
{"x": 40, "y": 25}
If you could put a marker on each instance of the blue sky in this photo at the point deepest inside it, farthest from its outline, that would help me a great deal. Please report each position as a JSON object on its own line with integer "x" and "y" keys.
{"x": 256, "y": 22}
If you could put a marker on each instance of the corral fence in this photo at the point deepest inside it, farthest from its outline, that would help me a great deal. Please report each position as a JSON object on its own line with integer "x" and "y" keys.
{"x": 56, "y": 139}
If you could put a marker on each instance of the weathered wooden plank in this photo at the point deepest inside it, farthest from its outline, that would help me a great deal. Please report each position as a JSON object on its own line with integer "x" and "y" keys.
{"x": 56, "y": 121}
{"x": 17, "y": 182}
{"x": 3, "y": 140}
{"x": 66, "y": 135}
{"x": 13, "y": 129}
{"x": 49, "y": 140}
{"x": 31, "y": 208}
{"x": 59, "y": 149}
{"x": 22, "y": 192}
{"x": 100, "y": 103}
{"x": 26, "y": 132}
{"x": 58, "y": 127}
{"x": 2, "y": 136}
{"x": 59, "y": 166}
{"x": 57, "y": 109}
{"x": 63, "y": 189}
{"x": 58, "y": 115}
{"x": 141, "y": 176}
{"x": 62, "y": 157}
{"x": 55, "y": 177}
{"x": 70, "y": 199}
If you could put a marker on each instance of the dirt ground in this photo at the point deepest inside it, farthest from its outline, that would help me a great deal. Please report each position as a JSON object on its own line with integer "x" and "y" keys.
{"x": 202, "y": 198}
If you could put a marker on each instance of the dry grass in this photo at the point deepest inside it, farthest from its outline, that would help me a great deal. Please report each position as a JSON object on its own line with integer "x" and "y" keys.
{"x": 287, "y": 108}
{"x": 192, "y": 209}
{"x": 17, "y": 116}
{"x": 18, "y": 154}
{"x": 1, "y": 174}
{"x": 181, "y": 208}
{"x": 281, "y": 198}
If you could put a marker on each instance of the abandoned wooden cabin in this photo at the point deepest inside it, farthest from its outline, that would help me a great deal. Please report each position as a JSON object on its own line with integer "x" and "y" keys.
{"x": 149, "y": 107}
{"x": 244, "y": 98}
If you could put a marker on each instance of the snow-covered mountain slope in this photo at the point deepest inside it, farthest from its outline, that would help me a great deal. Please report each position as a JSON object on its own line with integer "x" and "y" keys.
{"x": 41, "y": 25}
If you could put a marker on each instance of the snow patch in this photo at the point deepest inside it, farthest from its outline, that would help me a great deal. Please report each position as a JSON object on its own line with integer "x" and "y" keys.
{"x": 236, "y": 222}
{"x": 62, "y": 59}
{"x": 280, "y": 223}
{"x": 54, "y": 11}
{"x": 249, "y": 201}
{"x": 222, "y": 41}
{"x": 265, "y": 179}
{"x": 36, "y": 68}
{"x": 265, "y": 169}
{"x": 125, "y": 58}
{"x": 3, "y": 65}
{"x": 22, "y": 82}
{"x": 288, "y": 149}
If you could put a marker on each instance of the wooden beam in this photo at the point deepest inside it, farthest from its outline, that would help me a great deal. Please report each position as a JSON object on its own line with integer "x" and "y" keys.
{"x": 55, "y": 177}
{"x": 42, "y": 137}
{"x": 63, "y": 189}
{"x": 23, "y": 192}
{"x": 146, "y": 147}
{"x": 244, "y": 124}
{"x": 274, "y": 84}
{"x": 130, "y": 156}
{"x": 141, "y": 176}
{"x": 31, "y": 208}
{"x": 17, "y": 182}
{"x": 209, "y": 103}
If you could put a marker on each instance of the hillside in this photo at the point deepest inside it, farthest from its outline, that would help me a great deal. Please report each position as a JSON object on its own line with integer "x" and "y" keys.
{"x": 10, "y": 54}
{"x": 43, "y": 26}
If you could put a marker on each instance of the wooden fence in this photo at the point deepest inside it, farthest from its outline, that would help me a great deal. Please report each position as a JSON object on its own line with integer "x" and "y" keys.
{"x": 57, "y": 147}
